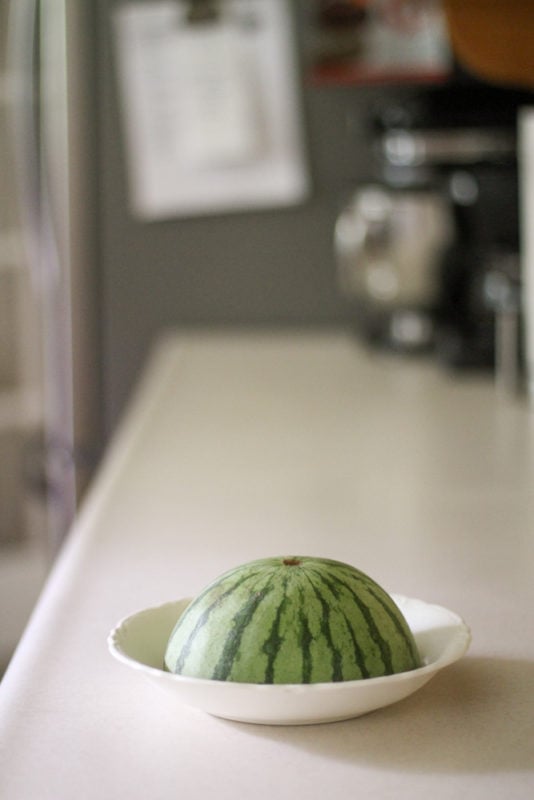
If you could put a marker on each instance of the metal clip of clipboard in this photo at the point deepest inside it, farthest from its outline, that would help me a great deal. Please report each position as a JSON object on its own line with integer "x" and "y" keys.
{"x": 202, "y": 11}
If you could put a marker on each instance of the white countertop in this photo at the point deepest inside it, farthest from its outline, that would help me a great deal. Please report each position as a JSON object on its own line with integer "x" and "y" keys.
{"x": 242, "y": 446}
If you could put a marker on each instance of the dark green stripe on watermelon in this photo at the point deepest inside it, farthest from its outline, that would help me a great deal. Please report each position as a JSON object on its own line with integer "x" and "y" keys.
{"x": 362, "y": 608}
{"x": 204, "y": 617}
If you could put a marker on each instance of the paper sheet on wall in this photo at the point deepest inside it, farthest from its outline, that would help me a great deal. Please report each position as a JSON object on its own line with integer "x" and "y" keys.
{"x": 211, "y": 111}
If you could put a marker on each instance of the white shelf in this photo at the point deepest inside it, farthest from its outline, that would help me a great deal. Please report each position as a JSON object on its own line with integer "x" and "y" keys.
{"x": 7, "y": 89}
{"x": 20, "y": 409}
{"x": 11, "y": 250}
{"x": 21, "y": 406}
{"x": 23, "y": 569}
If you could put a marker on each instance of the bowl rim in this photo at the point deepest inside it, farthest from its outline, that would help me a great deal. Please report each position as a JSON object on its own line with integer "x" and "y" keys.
{"x": 454, "y": 648}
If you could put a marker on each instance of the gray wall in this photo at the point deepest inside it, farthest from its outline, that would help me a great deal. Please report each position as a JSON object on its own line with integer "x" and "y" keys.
{"x": 265, "y": 268}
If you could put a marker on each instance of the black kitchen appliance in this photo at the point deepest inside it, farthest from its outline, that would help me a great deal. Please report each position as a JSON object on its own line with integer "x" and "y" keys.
{"x": 456, "y": 142}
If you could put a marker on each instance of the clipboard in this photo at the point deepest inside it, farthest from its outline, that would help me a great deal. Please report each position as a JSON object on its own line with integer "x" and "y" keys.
{"x": 211, "y": 107}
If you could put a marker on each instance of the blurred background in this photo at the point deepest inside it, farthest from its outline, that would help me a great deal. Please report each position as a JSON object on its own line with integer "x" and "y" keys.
{"x": 244, "y": 163}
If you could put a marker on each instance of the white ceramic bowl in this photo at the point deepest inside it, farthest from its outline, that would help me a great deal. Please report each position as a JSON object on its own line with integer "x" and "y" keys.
{"x": 139, "y": 641}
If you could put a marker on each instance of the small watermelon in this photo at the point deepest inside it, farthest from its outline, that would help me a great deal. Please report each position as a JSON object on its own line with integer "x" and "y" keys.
{"x": 291, "y": 619}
